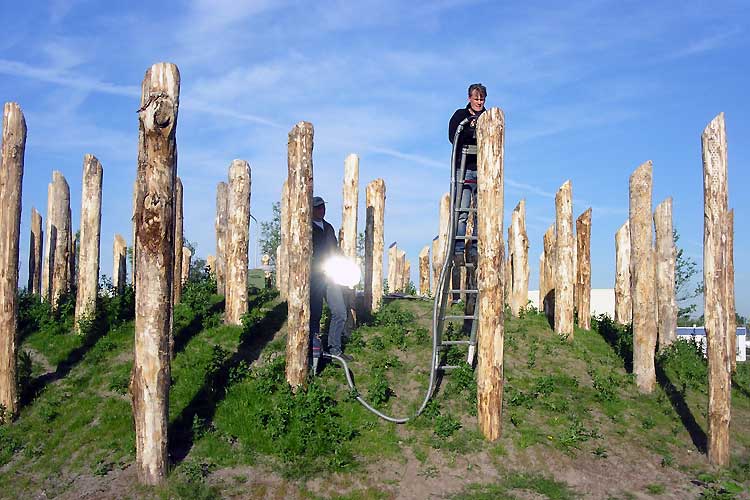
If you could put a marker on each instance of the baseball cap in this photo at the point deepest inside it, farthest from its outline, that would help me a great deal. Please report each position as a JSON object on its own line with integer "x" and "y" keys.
{"x": 318, "y": 201}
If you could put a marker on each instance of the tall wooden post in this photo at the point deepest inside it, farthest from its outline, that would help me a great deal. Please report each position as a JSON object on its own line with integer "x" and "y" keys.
{"x": 491, "y": 332}
{"x": 666, "y": 255}
{"x": 211, "y": 265}
{"x": 374, "y": 243}
{"x": 72, "y": 253}
{"x": 300, "y": 177}
{"x": 424, "y": 271}
{"x": 56, "y": 265}
{"x": 238, "y": 238}
{"x": 519, "y": 245}
{"x": 508, "y": 270}
{"x": 348, "y": 243}
{"x": 154, "y": 251}
{"x": 564, "y": 270}
{"x": 120, "y": 269}
{"x": 715, "y": 279}
{"x": 91, "y": 224}
{"x": 187, "y": 256}
{"x": 642, "y": 278}
{"x": 542, "y": 284}
{"x": 11, "y": 182}
{"x": 35, "y": 253}
{"x": 583, "y": 269}
{"x": 393, "y": 274}
{"x": 282, "y": 260}
{"x": 434, "y": 268}
{"x": 623, "y": 302}
{"x": 550, "y": 252}
{"x": 445, "y": 213}
{"x": 220, "y": 226}
{"x": 404, "y": 270}
{"x": 178, "y": 242}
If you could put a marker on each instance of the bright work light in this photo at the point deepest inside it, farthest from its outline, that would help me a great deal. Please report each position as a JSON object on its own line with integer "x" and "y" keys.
{"x": 342, "y": 271}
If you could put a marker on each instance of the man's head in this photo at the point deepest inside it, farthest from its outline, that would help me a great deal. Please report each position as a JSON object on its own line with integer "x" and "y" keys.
{"x": 477, "y": 95}
{"x": 319, "y": 208}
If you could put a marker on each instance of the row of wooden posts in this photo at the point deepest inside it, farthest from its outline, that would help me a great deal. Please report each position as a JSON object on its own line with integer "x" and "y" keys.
{"x": 157, "y": 219}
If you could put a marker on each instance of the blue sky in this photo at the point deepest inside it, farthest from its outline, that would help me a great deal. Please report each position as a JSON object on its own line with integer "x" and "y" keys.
{"x": 590, "y": 91}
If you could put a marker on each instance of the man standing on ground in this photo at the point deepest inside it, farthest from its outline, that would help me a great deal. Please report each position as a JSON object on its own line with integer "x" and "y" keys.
{"x": 325, "y": 245}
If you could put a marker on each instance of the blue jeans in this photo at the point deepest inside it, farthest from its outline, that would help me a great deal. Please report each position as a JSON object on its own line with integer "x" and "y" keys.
{"x": 319, "y": 288}
{"x": 467, "y": 192}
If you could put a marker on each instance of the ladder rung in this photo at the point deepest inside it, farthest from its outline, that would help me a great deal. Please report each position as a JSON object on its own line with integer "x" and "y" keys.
{"x": 460, "y": 316}
{"x": 470, "y": 238}
{"x": 446, "y": 368}
{"x": 464, "y": 291}
{"x": 455, "y": 342}
{"x": 469, "y": 210}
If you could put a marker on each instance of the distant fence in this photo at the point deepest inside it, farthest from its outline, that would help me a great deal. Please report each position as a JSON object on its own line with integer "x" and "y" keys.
{"x": 698, "y": 334}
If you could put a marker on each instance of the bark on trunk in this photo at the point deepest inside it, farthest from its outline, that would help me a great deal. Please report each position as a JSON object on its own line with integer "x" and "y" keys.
{"x": 187, "y": 256}
{"x": 490, "y": 335}
{"x": 666, "y": 254}
{"x": 424, "y": 271}
{"x": 57, "y": 252}
{"x": 642, "y": 287}
{"x": 221, "y": 238}
{"x": 11, "y": 183}
{"x": 550, "y": 252}
{"x": 238, "y": 238}
{"x": 178, "y": 243}
{"x": 348, "y": 243}
{"x": 520, "y": 262}
{"x": 374, "y": 243}
{"x": 300, "y": 177}
{"x": 120, "y": 269}
{"x": 715, "y": 278}
{"x": 623, "y": 302}
{"x": 35, "y": 253}
{"x": 91, "y": 224}
{"x": 282, "y": 260}
{"x": 564, "y": 270}
{"x": 583, "y": 269}
{"x": 154, "y": 250}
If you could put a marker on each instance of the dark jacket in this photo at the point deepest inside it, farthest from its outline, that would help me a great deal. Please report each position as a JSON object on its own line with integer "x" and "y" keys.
{"x": 468, "y": 135}
{"x": 325, "y": 245}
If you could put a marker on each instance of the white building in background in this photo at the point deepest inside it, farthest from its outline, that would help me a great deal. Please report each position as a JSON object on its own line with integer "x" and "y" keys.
{"x": 602, "y": 301}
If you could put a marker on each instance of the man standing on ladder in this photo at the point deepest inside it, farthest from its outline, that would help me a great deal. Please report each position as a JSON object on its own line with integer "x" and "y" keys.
{"x": 468, "y": 137}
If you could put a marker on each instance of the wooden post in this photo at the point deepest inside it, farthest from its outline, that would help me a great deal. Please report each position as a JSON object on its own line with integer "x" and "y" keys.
{"x": 542, "y": 284}
{"x": 154, "y": 251}
{"x": 731, "y": 305}
{"x": 300, "y": 176}
{"x": 220, "y": 226}
{"x": 583, "y": 269}
{"x": 520, "y": 263}
{"x": 490, "y": 334}
{"x": 404, "y": 270}
{"x": 348, "y": 243}
{"x": 435, "y": 269}
{"x": 550, "y": 252}
{"x": 666, "y": 254}
{"x": 35, "y": 253}
{"x": 11, "y": 182}
{"x": 187, "y": 255}
{"x": 508, "y": 274}
{"x": 715, "y": 279}
{"x": 623, "y": 302}
{"x": 211, "y": 265}
{"x": 374, "y": 243}
{"x": 393, "y": 273}
{"x": 424, "y": 271}
{"x": 120, "y": 269}
{"x": 178, "y": 242}
{"x": 564, "y": 266}
{"x": 642, "y": 286}
{"x": 72, "y": 253}
{"x": 282, "y": 260}
{"x": 238, "y": 238}
{"x": 57, "y": 251}
{"x": 91, "y": 224}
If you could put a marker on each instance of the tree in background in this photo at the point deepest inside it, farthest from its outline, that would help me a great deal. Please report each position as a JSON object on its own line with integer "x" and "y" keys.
{"x": 686, "y": 290}
{"x": 270, "y": 233}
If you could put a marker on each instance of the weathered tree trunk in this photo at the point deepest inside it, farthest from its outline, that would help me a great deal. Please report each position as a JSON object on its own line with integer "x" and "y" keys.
{"x": 491, "y": 332}
{"x": 187, "y": 256}
{"x": 154, "y": 251}
{"x": 393, "y": 271}
{"x": 11, "y": 182}
{"x": 72, "y": 252}
{"x": 623, "y": 302}
{"x": 57, "y": 250}
{"x": 445, "y": 213}
{"x": 642, "y": 287}
{"x": 348, "y": 243}
{"x": 120, "y": 269}
{"x": 731, "y": 305}
{"x": 564, "y": 266}
{"x": 282, "y": 260}
{"x": 583, "y": 269}
{"x": 715, "y": 279}
{"x": 542, "y": 284}
{"x": 238, "y": 238}
{"x": 550, "y": 252}
{"x": 300, "y": 177}
{"x": 35, "y": 253}
{"x": 211, "y": 265}
{"x": 178, "y": 242}
{"x": 520, "y": 263}
{"x": 666, "y": 254}
{"x": 424, "y": 271}
{"x": 222, "y": 196}
{"x": 508, "y": 274}
{"x": 91, "y": 224}
{"x": 404, "y": 269}
{"x": 374, "y": 243}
